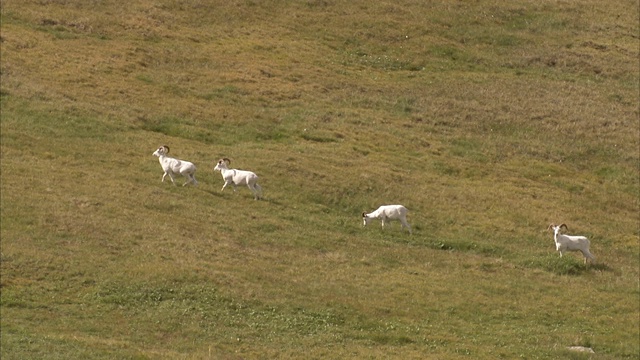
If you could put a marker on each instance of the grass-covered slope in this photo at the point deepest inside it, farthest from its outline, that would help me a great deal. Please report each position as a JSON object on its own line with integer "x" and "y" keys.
{"x": 487, "y": 119}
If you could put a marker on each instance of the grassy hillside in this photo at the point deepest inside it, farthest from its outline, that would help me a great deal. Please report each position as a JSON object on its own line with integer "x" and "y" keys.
{"x": 487, "y": 119}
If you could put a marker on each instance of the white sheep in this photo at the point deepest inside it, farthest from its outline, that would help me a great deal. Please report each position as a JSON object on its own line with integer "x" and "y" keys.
{"x": 387, "y": 213}
{"x": 173, "y": 166}
{"x": 238, "y": 177}
{"x": 571, "y": 243}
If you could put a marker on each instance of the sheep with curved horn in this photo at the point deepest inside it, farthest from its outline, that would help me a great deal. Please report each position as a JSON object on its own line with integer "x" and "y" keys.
{"x": 571, "y": 243}
{"x": 237, "y": 177}
{"x": 173, "y": 166}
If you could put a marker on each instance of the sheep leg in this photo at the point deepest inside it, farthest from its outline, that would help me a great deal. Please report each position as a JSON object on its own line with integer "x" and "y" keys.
{"x": 255, "y": 197}
{"x": 170, "y": 177}
{"x": 191, "y": 178}
{"x": 254, "y": 189}
{"x": 225, "y": 185}
{"x": 405, "y": 224}
{"x": 588, "y": 255}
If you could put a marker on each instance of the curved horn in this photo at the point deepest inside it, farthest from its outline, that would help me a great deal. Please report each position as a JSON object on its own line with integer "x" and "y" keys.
{"x": 227, "y": 161}
{"x": 551, "y": 226}
{"x": 565, "y": 226}
{"x": 167, "y": 148}
{"x": 364, "y": 214}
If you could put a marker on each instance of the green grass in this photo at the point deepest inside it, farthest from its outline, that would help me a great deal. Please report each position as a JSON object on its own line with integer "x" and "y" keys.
{"x": 488, "y": 120}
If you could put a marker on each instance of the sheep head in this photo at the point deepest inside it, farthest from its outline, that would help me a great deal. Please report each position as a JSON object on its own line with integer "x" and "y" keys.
{"x": 365, "y": 219}
{"x": 556, "y": 228}
{"x": 162, "y": 150}
{"x": 222, "y": 164}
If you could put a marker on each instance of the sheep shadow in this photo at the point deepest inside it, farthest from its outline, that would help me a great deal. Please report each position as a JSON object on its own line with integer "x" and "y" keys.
{"x": 215, "y": 193}
{"x": 599, "y": 267}
{"x": 240, "y": 195}
{"x": 569, "y": 266}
